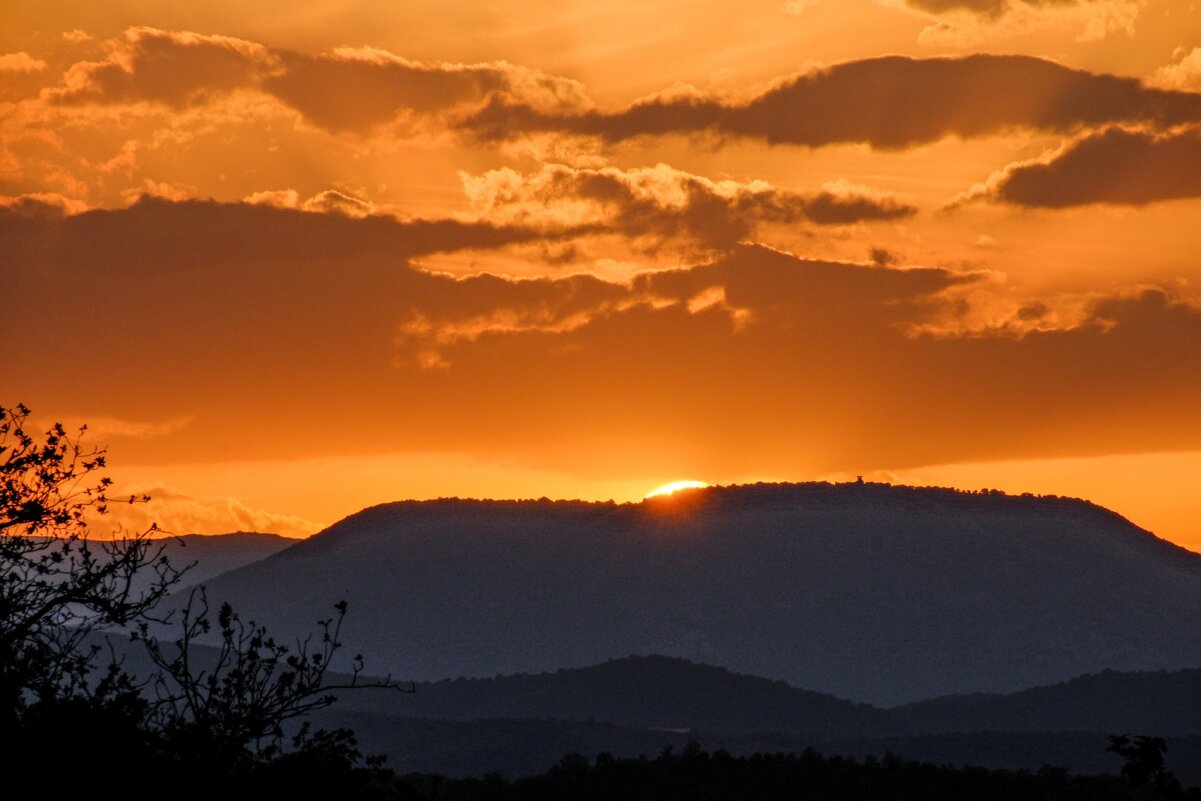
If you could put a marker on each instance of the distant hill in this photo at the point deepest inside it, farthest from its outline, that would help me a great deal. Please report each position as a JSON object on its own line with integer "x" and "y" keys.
{"x": 1163, "y": 703}
{"x": 641, "y": 692}
{"x": 522, "y": 724}
{"x": 673, "y": 694}
{"x": 870, "y": 592}
{"x": 639, "y": 705}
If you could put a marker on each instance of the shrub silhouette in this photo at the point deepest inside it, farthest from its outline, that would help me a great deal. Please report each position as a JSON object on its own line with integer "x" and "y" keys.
{"x": 1144, "y": 768}
{"x": 236, "y": 703}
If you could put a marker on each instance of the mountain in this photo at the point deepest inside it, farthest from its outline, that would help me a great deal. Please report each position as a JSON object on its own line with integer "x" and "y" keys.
{"x": 872, "y": 592}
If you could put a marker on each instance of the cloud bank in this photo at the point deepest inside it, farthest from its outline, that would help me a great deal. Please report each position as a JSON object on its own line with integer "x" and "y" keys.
{"x": 280, "y": 333}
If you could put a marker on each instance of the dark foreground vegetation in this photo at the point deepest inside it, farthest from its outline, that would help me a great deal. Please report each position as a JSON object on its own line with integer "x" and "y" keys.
{"x": 74, "y": 723}
{"x": 696, "y": 775}
{"x": 228, "y": 720}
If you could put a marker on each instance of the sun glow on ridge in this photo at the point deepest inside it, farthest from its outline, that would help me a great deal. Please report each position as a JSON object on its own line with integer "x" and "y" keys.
{"x": 674, "y": 487}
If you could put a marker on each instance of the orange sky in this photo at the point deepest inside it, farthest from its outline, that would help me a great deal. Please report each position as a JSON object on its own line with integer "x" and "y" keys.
{"x": 292, "y": 259}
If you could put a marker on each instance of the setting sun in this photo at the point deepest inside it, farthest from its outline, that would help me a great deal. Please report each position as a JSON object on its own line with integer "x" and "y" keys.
{"x": 674, "y": 487}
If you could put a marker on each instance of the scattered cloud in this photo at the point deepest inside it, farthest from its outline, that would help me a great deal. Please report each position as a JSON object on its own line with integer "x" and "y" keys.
{"x": 279, "y": 198}
{"x": 335, "y": 201}
{"x": 115, "y": 427}
{"x": 20, "y": 62}
{"x": 177, "y": 512}
{"x": 1183, "y": 73}
{"x": 798, "y": 7}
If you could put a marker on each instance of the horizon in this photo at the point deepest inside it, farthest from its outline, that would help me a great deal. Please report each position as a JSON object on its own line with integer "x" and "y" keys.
{"x": 290, "y": 264}
{"x": 666, "y": 500}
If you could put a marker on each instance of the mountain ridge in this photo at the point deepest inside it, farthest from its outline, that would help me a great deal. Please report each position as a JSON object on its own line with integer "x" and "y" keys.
{"x": 866, "y": 591}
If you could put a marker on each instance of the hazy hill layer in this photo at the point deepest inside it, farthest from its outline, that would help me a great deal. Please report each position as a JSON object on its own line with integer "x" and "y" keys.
{"x": 871, "y": 592}
{"x": 205, "y": 555}
{"x": 214, "y": 554}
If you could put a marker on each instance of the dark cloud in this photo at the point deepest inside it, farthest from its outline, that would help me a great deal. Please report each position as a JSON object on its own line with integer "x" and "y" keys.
{"x": 347, "y": 90}
{"x": 167, "y": 303}
{"x": 174, "y": 69}
{"x": 839, "y": 208}
{"x": 358, "y": 91}
{"x": 817, "y": 296}
{"x": 889, "y": 103}
{"x": 987, "y": 8}
{"x": 155, "y": 235}
{"x": 1114, "y": 166}
{"x": 882, "y": 257}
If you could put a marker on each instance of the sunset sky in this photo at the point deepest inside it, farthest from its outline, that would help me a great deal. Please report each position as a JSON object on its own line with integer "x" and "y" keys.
{"x": 292, "y": 259}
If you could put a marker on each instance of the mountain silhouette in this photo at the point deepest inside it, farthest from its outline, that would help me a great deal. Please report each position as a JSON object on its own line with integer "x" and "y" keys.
{"x": 870, "y": 592}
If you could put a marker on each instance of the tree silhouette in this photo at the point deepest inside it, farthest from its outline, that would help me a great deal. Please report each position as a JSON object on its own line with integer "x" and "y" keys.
{"x": 234, "y": 700}
{"x": 58, "y": 586}
{"x": 222, "y": 721}
{"x": 1144, "y": 766}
